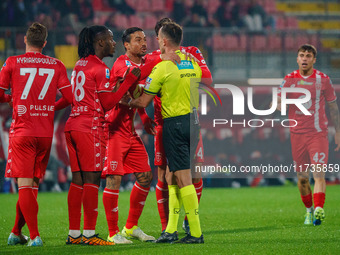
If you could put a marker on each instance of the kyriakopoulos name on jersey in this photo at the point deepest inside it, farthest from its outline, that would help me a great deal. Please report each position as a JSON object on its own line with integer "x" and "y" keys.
{"x": 49, "y": 108}
{"x": 24, "y": 60}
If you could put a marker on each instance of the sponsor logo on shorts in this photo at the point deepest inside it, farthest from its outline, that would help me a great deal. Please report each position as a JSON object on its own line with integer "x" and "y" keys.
{"x": 113, "y": 165}
{"x": 21, "y": 110}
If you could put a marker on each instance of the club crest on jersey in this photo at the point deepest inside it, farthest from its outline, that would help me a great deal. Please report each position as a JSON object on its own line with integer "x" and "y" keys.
{"x": 114, "y": 165}
{"x": 107, "y": 73}
{"x": 128, "y": 63}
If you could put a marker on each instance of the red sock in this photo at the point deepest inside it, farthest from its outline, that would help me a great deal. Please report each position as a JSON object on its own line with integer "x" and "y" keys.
{"x": 19, "y": 218}
{"x": 137, "y": 201}
{"x": 19, "y": 221}
{"x": 29, "y": 207}
{"x": 307, "y": 200}
{"x": 319, "y": 199}
{"x": 110, "y": 201}
{"x": 162, "y": 196}
{"x": 74, "y": 201}
{"x": 90, "y": 205}
{"x": 198, "y": 187}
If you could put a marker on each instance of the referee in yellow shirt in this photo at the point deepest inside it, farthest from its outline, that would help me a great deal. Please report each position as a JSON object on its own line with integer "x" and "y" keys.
{"x": 177, "y": 85}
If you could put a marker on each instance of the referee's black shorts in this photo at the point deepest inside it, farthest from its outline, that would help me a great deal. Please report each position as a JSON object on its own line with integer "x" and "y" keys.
{"x": 180, "y": 139}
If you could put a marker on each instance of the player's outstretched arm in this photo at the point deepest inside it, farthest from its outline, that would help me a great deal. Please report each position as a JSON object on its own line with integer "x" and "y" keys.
{"x": 109, "y": 99}
{"x": 66, "y": 100}
{"x": 335, "y": 117}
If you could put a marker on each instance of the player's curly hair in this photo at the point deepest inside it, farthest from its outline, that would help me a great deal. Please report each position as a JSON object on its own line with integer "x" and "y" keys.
{"x": 87, "y": 38}
{"x": 36, "y": 35}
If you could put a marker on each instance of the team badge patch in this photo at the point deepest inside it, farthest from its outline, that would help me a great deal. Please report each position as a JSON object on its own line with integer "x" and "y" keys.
{"x": 107, "y": 73}
{"x": 147, "y": 82}
{"x": 158, "y": 156}
{"x": 128, "y": 63}
{"x": 114, "y": 165}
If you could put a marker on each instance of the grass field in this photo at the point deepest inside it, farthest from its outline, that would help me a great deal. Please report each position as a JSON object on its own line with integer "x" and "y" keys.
{"x": 234, "y": 221}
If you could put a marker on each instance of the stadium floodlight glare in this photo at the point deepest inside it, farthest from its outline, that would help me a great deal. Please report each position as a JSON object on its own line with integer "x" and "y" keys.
{"x": 265, "y": 81}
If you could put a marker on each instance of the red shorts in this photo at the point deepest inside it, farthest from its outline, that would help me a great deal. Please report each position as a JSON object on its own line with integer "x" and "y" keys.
{"x": 28, "y": 156}
{"x": 311, "y": 149}
{"x": 160, "y": 158}
{"x": 86, "y": 151}
{"x": 125, "y": 155}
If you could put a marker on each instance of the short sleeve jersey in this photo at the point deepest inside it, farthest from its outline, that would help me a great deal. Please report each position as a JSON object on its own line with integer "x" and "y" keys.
{"x": 120, "y": 118}
{"x": 33, "y": 79}
{"x": 321, "y": 89}
{"x": 89, "y": 75}
{"x": 175, "y": 85}
{"x": 203, "y": 65}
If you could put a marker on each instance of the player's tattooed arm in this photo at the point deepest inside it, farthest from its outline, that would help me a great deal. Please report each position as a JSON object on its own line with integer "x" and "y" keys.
{"x": 335, "y": 117}
{"x": 144, "y": 179}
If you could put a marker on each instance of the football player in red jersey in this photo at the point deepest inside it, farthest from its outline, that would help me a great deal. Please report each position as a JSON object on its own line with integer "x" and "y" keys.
{"x": 162, "y": 193}
{"x": 309, "y": 136}
{"x": 84, "y": 129}
{"x": 125, "y": 150}
{"x": 34, "y": 79}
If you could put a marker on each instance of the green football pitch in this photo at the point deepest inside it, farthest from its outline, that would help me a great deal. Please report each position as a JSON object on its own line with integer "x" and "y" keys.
{"x": 266, "y": 220}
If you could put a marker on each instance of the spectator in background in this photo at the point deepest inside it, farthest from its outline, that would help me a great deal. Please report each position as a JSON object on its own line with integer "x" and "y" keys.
{"x": 122, "y": 7}
{"x": 85, "y": 11}
{"x": 256, "y": 18}
{"x": 237, "y": 13}
{"x": 222, "y": 16}
{"x": 179, "y": 13}
{"x": 199, "y": 10}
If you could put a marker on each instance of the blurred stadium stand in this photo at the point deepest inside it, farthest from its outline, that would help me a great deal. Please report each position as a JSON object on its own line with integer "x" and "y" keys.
{"x": 234, "y": 52}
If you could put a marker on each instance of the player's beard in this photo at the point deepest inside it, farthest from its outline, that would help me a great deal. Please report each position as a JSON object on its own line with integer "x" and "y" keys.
{"x": 141, "y": 54}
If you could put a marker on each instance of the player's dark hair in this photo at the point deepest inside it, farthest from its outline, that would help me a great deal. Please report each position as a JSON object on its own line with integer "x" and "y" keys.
{"x": 173, "y": 32}
{"x": 160, "y": 23}
{"x": 309, "y": 48}
{"x": 87, "y": 38}
{"x": 36, "y": 35}
{"x": 127, "y": 33}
